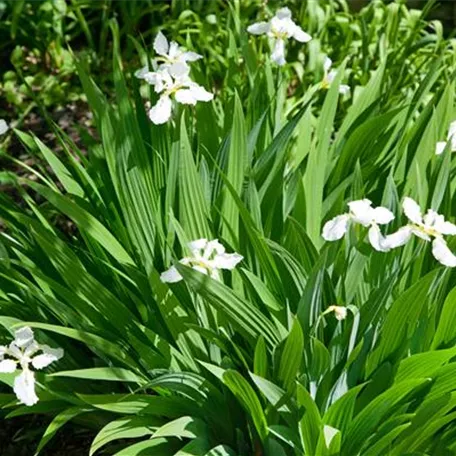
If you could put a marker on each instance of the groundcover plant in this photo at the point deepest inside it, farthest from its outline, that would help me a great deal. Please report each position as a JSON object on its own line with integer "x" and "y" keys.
{"x": 266, "y": 269}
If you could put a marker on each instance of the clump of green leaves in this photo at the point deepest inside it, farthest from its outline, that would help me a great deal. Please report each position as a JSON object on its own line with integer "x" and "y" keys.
{"x": 256, "y": 362}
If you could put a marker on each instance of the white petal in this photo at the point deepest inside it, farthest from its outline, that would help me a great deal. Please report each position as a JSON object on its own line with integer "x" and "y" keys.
{"x": 283, "y": 13}
{"x": 152, "y": 78}
{"x": 174, "y": 50}
{"x": 431, "y": 217}
{"x": 216, "y": 245}
{"x": 344, "y": 89}
{"x": 142, "y": 72}
{"x": 179, "y": 70}
{"x": 31, "y": 348}
{"x": 200, "y": 93}
{"x": 453, "y": 143}
{"x": 452, "y": 130}
{"x": 440, "y": 147}
{"x": 24, "y": 388}
{"x": 48, "y": 356}
{"x": 397, "y": 239}
{"x": 361, "y": 211}
{"x": 190, "y": 56}
{"x": 185, "y": 96}
{"x": 301, "y": 36}
{"x": 412, "y": 210}
{"x": 278, "y": 54}
{"x": 376, "y": 239}
{"x": 172, "y": 275}
{"x": 7, "y": 366}
{"x": 227, "y": 260}
{"x": 336, "y": 228}
{"x": 211, "y": 247}
{"x": 358, "y": 207}
{"x": 198, "y": 244}
{"x": 331, "y": 76}
{"x": 382, "y": 215}
{"x": 258, "y": 28}
{"x": 421, "y": 234}
{"x": 14, "y": 350}
{"x": 193, "y": 94}
{"x": 329, "y": 433}
{"x": 452, "y": 136}
{"x": 161, "y": 112}
{"x": 23, "y": 337}
{"x": 201, "y": 269}
{"x": 3, "y": 126}
{"x": 161, "y": 44}
{"x": 443, "y": 227}
{"x": 442, "y": 253}
{"x": 327, "y": 64}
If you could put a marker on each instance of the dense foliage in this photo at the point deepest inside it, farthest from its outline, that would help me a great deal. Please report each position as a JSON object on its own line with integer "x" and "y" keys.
{"x": 305, "y": 347}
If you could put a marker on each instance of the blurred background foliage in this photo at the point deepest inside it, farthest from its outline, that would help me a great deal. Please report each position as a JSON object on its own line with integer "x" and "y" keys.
{"x": 38, "y": 40}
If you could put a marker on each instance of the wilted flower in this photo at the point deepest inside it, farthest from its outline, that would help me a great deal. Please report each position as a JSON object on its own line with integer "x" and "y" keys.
{"x": 431, "y": 227}
{"x": 174, "y": 81}
{"x": 280, "y": 28}
{"x": 362, "y": 212}
{"x": 339, "y": 311}
{"x": 207, "y": 257}
{"x": 329, "y": 76}
{"x": 440, "y": 146}
{"x": 21, "y": 353}
{"x": 3, "y": 126}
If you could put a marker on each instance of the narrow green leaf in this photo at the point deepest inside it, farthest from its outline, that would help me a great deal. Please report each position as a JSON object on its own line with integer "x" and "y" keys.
{"x": 292, "y": 357}
{"x": 249, "y": 400}
{"x": 86, "y": 222}
{"x": 445, "y": 333}
{"x": 125, "y": 428}
{"x": 59, "y": 420}
{"x": 237, "y": 159}
{"x": 193, "y": 208}
{"x": 110, "y": 374}
{"x": 260, "y": 358}
{"x": 311, "y": 424}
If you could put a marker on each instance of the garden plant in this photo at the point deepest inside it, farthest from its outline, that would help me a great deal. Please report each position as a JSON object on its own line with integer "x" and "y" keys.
{"x": 252, "y": 250}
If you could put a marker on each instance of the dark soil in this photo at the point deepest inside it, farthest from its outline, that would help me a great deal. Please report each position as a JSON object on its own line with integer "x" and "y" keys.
{"x": 20, "y": 437}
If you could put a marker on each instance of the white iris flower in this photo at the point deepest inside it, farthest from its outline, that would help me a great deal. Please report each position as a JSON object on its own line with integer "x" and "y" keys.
{"x": 174, "y": 82}
{"x": 440, "y": 146}
{"x": 329, "y": 76}
{"x": 172, "y": 79}
{"x": 280, "y": 28}
{"x": 207, "y": 257}
{"x": 430, "y": 227}
{"x": 340, "y": 312}
{"x": 361, "y": 212}
{"x": 21, "y": 353}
